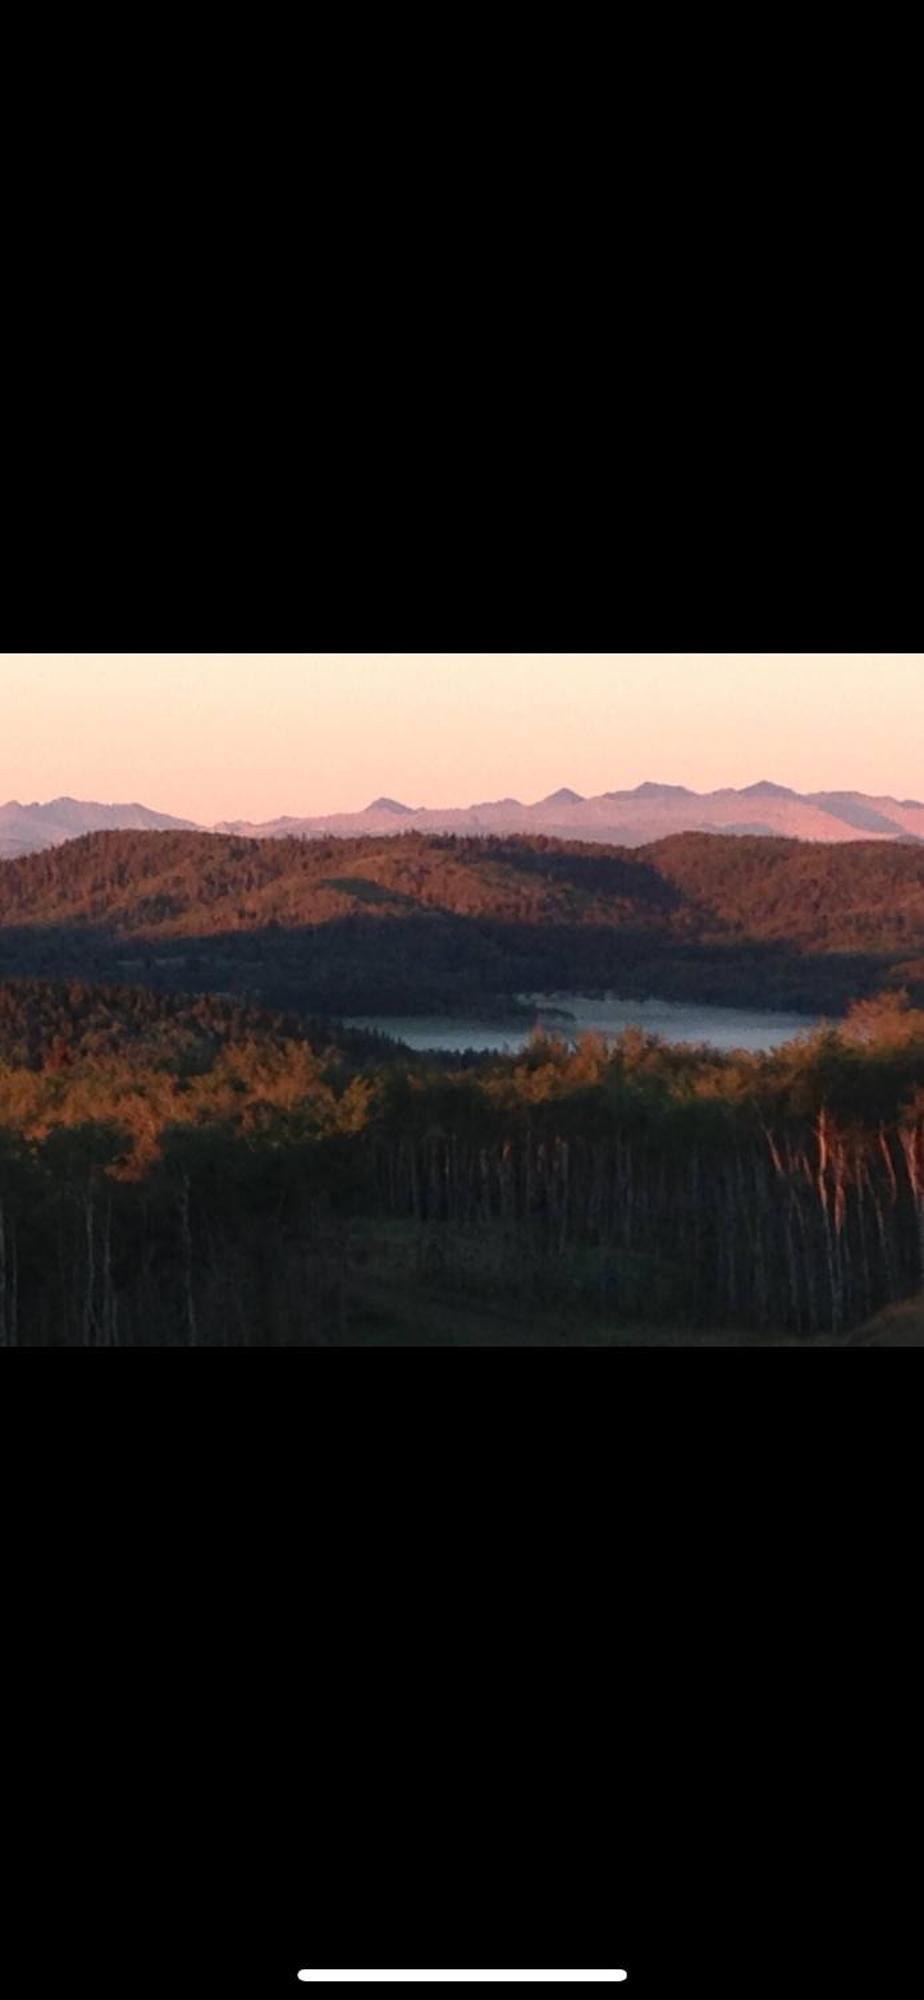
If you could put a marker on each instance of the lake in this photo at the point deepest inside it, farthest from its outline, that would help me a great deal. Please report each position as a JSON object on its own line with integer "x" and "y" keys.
{"x": 573, "y": 1014}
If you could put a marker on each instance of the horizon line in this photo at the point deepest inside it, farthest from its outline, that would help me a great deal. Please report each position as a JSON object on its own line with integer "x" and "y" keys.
{"x": 387, "y": 802}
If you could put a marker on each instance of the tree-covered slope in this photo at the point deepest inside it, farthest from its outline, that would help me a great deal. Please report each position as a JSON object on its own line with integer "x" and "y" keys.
{"x": 177, "y": 885}
{"x": 426, "y": 921}
{"x": 192, "y": 1173}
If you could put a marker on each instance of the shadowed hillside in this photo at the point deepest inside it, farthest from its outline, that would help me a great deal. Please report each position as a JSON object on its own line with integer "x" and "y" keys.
{"x": 412, "y": 921}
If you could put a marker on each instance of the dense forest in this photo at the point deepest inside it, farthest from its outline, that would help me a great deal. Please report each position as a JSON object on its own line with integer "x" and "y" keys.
{"x": 334, "y": 927}
{"x": 201, "y": 1172}
{"x": 194, "y": 1151}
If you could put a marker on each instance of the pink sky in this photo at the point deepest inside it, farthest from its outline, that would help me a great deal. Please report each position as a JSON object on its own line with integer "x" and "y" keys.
{"x": 252, "y": 735}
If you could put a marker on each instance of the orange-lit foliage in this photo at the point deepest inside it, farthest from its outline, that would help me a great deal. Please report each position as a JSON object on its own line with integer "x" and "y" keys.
{"x": 186, "y": 1166}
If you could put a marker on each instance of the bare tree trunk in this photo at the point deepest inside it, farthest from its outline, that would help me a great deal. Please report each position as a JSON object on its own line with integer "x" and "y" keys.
{"x": 4, "y": 1328}
{"x": 192, "y": 1330}
{"x": 89, "y": 1314}
{"x": 910, "y": 1137}
{"x": 108, "y": 1294}
{"x": 13, "y": 1255}
{"x": 823, "y": 1140}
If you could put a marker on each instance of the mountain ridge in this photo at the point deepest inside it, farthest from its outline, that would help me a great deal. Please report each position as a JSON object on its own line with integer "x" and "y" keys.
{"x": 634, "y": 818}
{"x": 32, "y": 828}
{"x": 649, "y": 812}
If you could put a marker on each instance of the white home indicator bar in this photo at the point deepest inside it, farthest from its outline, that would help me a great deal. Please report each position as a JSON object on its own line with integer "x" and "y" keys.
{"x": 464, "y": 1978}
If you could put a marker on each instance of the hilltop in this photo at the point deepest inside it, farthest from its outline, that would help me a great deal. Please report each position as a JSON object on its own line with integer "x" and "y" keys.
{"x": 422, "y": 922}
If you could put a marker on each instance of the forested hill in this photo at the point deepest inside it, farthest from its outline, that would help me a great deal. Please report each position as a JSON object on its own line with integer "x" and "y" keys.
{"x": 858, "y": 896}
{"x": 430, "y": 920}
{"x": 57, "y": 1026}
{"x": 185, "y": 885}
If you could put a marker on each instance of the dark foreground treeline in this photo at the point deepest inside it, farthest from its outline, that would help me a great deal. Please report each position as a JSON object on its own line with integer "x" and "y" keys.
{"x": 204, "y": 1176}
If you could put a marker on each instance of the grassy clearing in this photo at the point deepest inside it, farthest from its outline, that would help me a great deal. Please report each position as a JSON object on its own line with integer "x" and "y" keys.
{"x": 896, "y": 1326}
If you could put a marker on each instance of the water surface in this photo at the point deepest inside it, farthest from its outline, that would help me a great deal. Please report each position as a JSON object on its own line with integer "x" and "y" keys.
{"x": 572, "y": 1014}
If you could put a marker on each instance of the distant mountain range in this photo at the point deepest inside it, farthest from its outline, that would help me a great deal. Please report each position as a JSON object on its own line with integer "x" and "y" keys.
{"x": 624, "y": 819}
{"x": 631, "y": 819}
{"x": 28, "y": 829}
